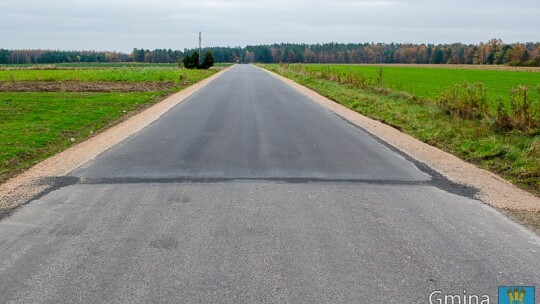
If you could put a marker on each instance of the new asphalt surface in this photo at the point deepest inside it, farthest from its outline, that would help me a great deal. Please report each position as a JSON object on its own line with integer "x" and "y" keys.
{"x": 248, "y": 192}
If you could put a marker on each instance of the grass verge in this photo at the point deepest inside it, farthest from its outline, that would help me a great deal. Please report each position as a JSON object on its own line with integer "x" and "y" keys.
{"x": 513, "y": 154}
{"x": 34, "y": 126}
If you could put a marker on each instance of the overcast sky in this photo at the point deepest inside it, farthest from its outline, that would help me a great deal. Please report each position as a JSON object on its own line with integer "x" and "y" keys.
{"x": 122, "y": 25}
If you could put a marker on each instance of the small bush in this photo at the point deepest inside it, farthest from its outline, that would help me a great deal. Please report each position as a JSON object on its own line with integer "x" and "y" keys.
{"x": 183, "y": 79}
{"x": 534, "y": 148}
{"x": 503, "y": 119}
{"x": 465, "y": 100}
{"x": 522, "y": 114}
{"x": 520, "y": 104}
{"x": 379, "y": 76}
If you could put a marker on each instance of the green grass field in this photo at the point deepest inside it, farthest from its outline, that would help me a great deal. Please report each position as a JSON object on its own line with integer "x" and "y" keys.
{"x": 107, "y": 74}
{"x": 96, "y": 65}
{"x": 34, "y": 126}
{"x": 430, "y": 82}
{"x": 87, "y": 65}
{"x": 513, "y": 154}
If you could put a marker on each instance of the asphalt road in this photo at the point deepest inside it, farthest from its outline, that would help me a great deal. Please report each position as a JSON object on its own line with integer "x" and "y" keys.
{"x": 248, "y": 192}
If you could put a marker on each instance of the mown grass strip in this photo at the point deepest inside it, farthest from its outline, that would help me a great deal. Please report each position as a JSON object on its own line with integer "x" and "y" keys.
{"x": 110, "y": 74}
{"x": 513, "y": 154}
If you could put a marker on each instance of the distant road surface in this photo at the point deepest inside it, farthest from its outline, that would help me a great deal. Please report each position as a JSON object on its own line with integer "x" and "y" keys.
{"x": 248, "y": 192}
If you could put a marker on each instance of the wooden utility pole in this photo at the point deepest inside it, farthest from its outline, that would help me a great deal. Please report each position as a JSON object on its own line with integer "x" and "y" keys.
{"x": 200, "y": 46}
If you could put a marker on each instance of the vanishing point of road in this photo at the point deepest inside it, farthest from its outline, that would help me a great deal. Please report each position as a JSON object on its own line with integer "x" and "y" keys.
{"x": 249, "y": 192}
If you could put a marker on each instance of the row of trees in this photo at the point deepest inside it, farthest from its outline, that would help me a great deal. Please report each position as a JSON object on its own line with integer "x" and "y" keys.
{"x": 193, "y": 61}
{"x": 494, "y": 51}
{"x": 57, "y": 56}
{"x": 155, "y": 56}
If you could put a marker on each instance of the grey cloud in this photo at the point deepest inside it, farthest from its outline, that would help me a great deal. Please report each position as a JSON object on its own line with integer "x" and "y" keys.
{"x": 122, "y": 25}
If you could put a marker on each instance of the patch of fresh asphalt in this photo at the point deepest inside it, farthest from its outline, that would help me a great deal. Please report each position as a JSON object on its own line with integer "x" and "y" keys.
{"x": 247, "y": 124}
{"x": 250, "y": 193}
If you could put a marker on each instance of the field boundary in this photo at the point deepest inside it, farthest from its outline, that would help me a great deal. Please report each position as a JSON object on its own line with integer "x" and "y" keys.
{"x": 493, "y": 190}
{"x": 40, "y": 178}
{"x": 85, "y": 86}
{"x": 449, "y": 66}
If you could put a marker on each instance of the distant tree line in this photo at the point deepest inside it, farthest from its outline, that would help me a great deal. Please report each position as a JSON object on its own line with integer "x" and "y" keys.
{"x": 494, "y": 51}
{"x": 57, "y": 56}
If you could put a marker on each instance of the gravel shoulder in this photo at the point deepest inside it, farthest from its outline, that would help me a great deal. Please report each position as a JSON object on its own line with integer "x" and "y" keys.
{"x": 44, "y": 176}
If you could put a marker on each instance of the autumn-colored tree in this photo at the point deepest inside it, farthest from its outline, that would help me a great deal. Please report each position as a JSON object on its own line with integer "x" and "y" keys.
{"x": 291, "y": 56}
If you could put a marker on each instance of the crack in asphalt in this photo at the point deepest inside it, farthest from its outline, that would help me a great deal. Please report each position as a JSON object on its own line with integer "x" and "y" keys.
{"x": 204, "y": 180}
{"x": 437, "y": 181}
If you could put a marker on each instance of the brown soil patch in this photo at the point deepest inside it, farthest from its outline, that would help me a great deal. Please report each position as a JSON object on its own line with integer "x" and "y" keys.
{"x": 80, "y": 86}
